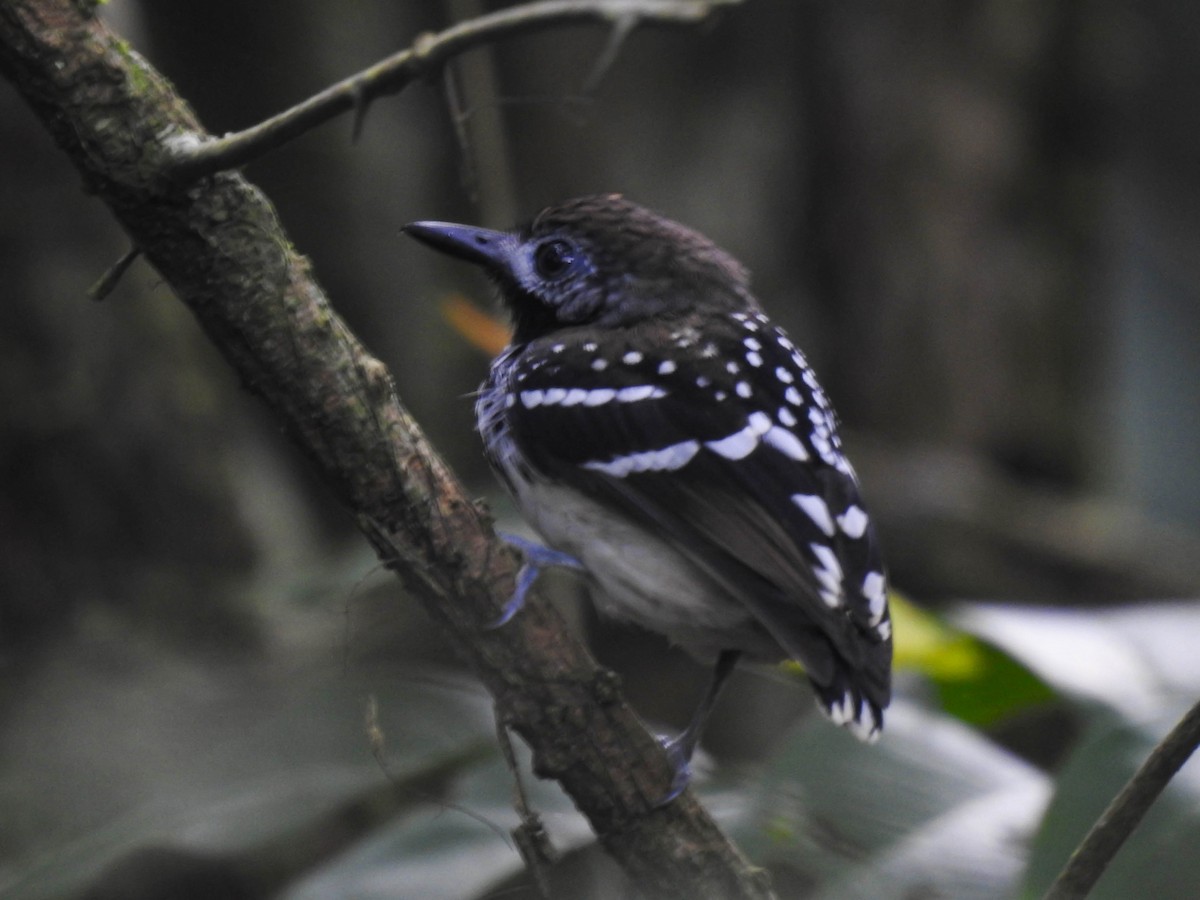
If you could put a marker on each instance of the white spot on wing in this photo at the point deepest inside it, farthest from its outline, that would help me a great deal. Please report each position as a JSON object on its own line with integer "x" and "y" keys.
{"x": 753, "y": 359}
{"x": 853, "y": 522}
{"x": 743, "y": 389}
{"x": 742, "y": 443}
{"x": 574, "y": 397}
{"x": 786, "y": 443}
{"x": 818, "y": 510}
{"x": 675, "y": 456}
{"x": 666, "y": 367}
{"x": 532, "y": 398}
{"x": 632, "y": 358}
{"x": 599, "y": 396}
{"x": 760, "y": 422}
{"x": 839, "y": 711}
{"x": 640, "y": 392}
{"x": 786, "y": 417}
{"x": 599, "y": 363}
{"x": 738, "y": 445}
{"x": 554, "y": 395}
{"x": 865, "y": 729}
{"x": 874, "y": 588}
{"x": 829, "y": 573}
{"x": 792, "y": 396}
{"x": 784, "y": 375}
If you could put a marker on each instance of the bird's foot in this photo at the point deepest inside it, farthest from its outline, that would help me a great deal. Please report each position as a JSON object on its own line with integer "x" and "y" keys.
{"x": 679, "y": 752}
{"x": 537, "y": 557}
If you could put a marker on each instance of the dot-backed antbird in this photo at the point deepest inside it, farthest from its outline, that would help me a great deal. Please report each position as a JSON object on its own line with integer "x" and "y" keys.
{"x": 661, "y": 433}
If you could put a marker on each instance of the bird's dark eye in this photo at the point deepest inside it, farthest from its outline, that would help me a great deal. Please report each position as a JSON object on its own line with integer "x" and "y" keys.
{"x": 553, "y": 258}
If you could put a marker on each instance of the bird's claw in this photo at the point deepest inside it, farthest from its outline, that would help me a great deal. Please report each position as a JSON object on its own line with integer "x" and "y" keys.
{"x": 537, "y": 557}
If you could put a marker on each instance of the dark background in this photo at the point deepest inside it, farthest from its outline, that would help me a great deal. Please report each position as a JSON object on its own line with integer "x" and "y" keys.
{"x": 979, "y": 220}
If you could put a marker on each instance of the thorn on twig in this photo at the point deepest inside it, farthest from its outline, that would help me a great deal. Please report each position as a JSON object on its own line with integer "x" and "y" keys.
{"x": 458, "y": 119}
{"x": 533, "y": 843}
{"x": 623, "y": 26}
{"x": 108, "y": 281}
{"x": 362, "y": 103}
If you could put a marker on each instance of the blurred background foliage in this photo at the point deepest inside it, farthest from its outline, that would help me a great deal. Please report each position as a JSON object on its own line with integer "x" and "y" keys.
{"x": 979, "y": 219}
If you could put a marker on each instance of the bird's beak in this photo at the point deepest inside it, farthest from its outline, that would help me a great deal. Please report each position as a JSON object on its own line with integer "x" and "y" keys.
{"x": 481, "y": 246}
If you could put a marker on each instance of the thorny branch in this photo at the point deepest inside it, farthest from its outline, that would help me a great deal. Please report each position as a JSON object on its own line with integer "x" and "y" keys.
{"x": 190, "y": 159}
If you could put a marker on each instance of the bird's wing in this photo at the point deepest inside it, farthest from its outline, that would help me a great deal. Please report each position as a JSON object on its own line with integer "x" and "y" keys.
{"x": 724, "y": 440}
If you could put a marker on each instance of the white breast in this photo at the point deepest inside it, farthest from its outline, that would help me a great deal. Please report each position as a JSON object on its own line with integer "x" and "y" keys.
{"x": 640, "y": 577}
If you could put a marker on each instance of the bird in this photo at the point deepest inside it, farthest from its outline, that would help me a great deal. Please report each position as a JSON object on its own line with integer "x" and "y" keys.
{"x": 661, "y": 433}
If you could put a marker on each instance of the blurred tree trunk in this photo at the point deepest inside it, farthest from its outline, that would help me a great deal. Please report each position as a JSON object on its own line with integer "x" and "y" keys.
{"x": 957, "y": 218}
{"x": 116, "y": 488}
{"x": 959, "y": 195}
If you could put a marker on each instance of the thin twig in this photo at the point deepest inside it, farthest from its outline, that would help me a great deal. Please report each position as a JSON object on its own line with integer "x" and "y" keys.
{"x": 621, "y": 29}
{"x": 191, "y": 160}
{"x": 533, "y": 843}
{"x": 1123, "y": 815}
{"x": 108, "y": 281}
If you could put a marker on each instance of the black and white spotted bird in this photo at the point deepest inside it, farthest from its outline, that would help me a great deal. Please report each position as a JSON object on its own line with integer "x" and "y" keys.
{"x": 654, "y": 425}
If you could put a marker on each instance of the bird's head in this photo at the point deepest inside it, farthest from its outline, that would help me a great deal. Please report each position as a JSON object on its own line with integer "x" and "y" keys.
{"x": 598, "y": 260}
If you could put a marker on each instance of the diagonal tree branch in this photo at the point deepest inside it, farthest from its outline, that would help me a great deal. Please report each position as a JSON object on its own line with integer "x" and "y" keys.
{"x": 1123, "y": 815}
{"x": 192, "y": 159}
{"x": 219, "y": 245}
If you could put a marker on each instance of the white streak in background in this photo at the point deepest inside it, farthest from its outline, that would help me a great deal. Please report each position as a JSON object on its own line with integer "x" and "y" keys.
{"x": 818, "y": 510}
{"x": 676, "y": 456}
